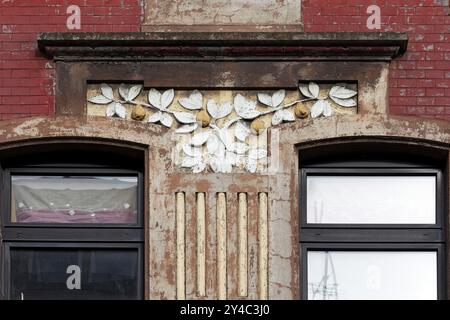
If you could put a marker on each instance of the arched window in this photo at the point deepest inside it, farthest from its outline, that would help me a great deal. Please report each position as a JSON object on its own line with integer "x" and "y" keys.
{"x": 73, "y": 222}
{"x": 372, "y": 222}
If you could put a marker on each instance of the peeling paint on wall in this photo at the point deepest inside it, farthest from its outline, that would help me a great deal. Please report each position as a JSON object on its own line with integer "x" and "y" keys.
{"x": 222, "y": 13}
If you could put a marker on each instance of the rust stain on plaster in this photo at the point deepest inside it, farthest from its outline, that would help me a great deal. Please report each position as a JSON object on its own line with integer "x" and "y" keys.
{"x": 169, "y": 260}
{"x": 202, "y": 185}
{"x": 294, "y": 222}
{"x": 163, "y": 152}
{"x": 179, "y": 181}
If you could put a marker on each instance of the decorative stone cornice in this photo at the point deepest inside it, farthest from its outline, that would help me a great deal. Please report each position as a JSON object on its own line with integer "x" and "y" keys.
{"x": 213, "y": 45}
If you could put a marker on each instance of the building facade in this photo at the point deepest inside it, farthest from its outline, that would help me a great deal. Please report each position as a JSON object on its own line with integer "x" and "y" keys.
{"x": 217, "y": 150}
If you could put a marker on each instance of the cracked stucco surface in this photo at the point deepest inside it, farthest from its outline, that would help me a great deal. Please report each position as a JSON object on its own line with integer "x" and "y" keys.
{"x": 222, "y": 12}
{"x": 166, "y": 179}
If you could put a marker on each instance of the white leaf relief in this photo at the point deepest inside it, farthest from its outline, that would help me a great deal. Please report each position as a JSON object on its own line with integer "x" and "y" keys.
{"x": 250, "y": 114}
{"x": 189, "y": 162}
{"x": 226, "y": 167}
{"x": 327, "y": 109}
{"x": 225, "y": 138}
{"x": 314, "y": 89}
{"x": 245, "y": 108}
{"x": 341, "y": 92}
{"x": 223, "y": 145}
{"x": 274, "y": 100}
{"x": 100, "y": 100}
{"x": 123, "y": 91}
{"x": 277, "y": 117}
{"x": 166, "y": 120}
{"x": 231, "y": 158}
{"x": 241, "y": 131}
{"x": 111, "y": 109}
{"x": 193, "y": 102}
{"x": 240, "y": 148}
{"x": 257, "y": 154}
{"x": 288, "y": 115}
{"x": 185, "y": 117}
{"x": 154, "y": 98}
{"x": 192, "y": 151}
{"x": 155, "y": 117}
{"x": 214, "y": 164}
{"x": 167, "y": 98}
{"x": 199, "y": 167}
{"x": 304, "y": 89}
{"x": 317, "y": 109}
{"x": 278, "y": 97}
{"x": 199, "y": 139}
{"x": 348, "y": 103}
{"x": 187, "y": 128}
{"x": 133, "y": 92}
{"x": 120, "y": 110}
{"x": 265, "y": 99}
{"x": 217, "y": 111}
{"x": 212, "y": 144}
{"x": 107, "y": 91}
{"x": 220, "y": 151}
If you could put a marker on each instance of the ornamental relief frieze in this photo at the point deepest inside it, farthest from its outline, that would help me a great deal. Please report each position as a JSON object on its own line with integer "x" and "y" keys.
{"x": 222, "y": 131}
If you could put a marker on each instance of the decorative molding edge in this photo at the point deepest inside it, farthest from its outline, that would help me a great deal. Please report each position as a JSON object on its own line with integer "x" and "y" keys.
{"x": 202, "y": 45}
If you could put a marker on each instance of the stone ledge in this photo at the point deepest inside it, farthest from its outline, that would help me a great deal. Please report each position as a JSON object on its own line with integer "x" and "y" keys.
{"x": 368, "y": 46}
{"x": 421, "y": 130}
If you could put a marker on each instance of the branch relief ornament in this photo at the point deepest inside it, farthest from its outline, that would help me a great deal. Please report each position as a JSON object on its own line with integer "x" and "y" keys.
{"x": 221, "y": 135}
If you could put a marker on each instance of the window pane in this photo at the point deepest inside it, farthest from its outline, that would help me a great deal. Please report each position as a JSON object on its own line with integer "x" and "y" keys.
{"x": 371, "y": 199}
{"x": 74, "y": 273}
{"x": 372, "y": 275}
{"x": 74, "y": 199}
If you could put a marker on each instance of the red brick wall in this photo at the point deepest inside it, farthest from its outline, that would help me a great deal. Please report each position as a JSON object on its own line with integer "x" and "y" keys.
{"x": 420, "y": 80}
{"x": 26, "y": 78}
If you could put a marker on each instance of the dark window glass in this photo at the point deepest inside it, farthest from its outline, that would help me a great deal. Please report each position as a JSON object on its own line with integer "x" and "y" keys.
{"x": 74, "y": 273}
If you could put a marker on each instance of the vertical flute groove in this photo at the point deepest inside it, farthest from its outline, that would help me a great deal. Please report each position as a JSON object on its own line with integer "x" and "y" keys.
{"x": 181, "y": 258}
{"x": 221, "y": 246}
{"x": 201, "y": 243}
{"x": 242, "y": 246}
{"x": 262, "y": 245}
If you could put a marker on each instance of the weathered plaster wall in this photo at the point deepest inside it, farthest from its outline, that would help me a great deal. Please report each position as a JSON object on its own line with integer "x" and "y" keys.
{"x": 165, "y": 181}
{"x": 418, "y": 85}
{"x": 214, "y": 263}
{"x": 222, "y": 15}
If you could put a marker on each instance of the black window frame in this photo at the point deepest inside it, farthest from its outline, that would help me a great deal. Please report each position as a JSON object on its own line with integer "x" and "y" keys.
{"x": 57, "y": 235}
{"x": 377, "y": 237}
